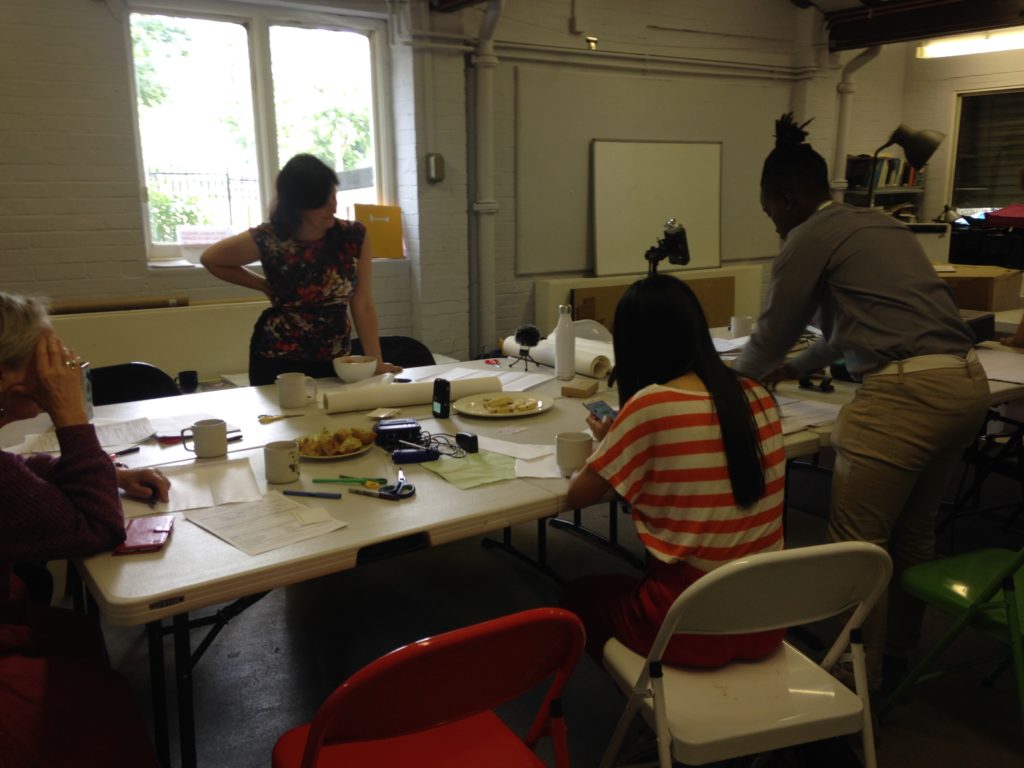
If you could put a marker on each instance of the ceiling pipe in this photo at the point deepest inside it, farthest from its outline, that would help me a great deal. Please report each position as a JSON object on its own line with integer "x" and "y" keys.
{"x": 485, "y": 207}
{"x": 846, "y": 90}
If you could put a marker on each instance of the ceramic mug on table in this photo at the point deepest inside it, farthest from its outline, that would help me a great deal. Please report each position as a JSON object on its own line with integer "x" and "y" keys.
{"x": 740, "y": 325}
{"x": 188, "y": 381}
{"x": 295, "y": 390}
{"x": 281, "y": 461}
{"x": 572, "y": 449}
{"x": 209, "y": 438}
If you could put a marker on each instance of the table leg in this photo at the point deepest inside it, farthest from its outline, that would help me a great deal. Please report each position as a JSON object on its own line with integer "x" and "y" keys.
{"x": 183, "y": 675}
{"x": 158, "y": 690}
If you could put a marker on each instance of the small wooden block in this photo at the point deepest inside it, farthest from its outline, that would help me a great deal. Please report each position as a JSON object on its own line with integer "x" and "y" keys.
{"x": 579, "y": 388}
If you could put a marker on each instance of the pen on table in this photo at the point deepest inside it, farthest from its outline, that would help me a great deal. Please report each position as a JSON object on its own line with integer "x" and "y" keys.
{"x": 126, "y": 451}
{"x": 235, "y": 438}
{"x": 313, "y": 494}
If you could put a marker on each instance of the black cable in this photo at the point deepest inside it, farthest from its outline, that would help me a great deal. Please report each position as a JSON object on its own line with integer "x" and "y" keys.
{"x": 443, "y": 444}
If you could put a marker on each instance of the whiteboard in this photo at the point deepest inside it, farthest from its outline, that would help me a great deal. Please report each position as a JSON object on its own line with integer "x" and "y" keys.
{"x": 638, "y": 185}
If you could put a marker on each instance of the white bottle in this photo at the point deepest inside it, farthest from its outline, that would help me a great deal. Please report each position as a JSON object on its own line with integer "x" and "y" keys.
{"x": 565, "y": 344}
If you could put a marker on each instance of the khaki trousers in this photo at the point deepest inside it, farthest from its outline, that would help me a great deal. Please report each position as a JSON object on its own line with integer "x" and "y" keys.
{"x": 896, "y": 445}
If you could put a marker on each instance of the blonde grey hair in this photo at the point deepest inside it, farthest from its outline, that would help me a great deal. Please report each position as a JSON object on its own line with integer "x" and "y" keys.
{"x": 22, "y": 321}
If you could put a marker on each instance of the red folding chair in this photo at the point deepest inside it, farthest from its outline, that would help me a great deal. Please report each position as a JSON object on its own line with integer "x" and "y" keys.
{"x": 430, "y": 703}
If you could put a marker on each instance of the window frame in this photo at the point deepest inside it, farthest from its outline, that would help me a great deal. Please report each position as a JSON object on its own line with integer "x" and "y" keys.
{"x": 257, "y": 17}
{"x": 961, "y": 98}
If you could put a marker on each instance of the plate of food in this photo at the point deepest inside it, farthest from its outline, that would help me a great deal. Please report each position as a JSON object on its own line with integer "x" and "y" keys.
{"x": 343, "y": 443}
{"x": 501, "y": 405}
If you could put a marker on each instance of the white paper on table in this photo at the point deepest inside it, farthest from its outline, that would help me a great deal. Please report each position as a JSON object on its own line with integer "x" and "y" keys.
{"x": 545, "y": 466}
{"x": 194, "y": 486}
{"x": 799, "y": 414}
{"x": 725, "y": 346}
{"x": 259, "y": 526}
{"x": 516, "y": 381}
{"x": 114, "y": 433}
{"x": 518, "y": 450}
{"x": 511, "y": 381}
{"x": 1002, "y": 365}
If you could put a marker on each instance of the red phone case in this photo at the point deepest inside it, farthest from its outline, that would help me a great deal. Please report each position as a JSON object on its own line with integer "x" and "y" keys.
{"x": 146, "y": 534}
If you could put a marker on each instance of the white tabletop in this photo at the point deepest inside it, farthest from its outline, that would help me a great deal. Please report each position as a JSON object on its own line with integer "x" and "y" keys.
{"x": 196, "y": 569}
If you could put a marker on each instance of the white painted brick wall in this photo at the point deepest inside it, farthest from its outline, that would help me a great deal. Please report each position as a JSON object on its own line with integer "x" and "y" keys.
{"x": 70, "y": 218}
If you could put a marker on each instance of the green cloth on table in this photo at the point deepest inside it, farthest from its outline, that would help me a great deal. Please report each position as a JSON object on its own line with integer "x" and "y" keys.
{"x": 475, "y": 469}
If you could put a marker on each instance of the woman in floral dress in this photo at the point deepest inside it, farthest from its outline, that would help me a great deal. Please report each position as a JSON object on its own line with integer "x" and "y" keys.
{"x": 316, "y": 273}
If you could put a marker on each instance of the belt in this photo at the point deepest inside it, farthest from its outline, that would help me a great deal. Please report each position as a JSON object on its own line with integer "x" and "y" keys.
{"x": 923, "y": 363}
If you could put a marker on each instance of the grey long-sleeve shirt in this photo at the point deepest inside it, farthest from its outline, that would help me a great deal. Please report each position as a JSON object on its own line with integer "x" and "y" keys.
{"x": 865, "y": 280}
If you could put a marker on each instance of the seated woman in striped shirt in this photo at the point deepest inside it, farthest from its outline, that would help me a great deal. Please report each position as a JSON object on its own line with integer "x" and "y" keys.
{"x": 697, "y": 453}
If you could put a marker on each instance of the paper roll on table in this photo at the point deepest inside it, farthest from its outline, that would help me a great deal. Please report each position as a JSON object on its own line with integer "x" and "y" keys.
{"x": 593, "y": 358}
{"x": 398, "y": 395}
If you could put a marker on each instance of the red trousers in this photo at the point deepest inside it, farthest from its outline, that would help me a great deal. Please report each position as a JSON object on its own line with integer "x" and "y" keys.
{"x": 60, "y": 702}
{"x": 632, "y": 609}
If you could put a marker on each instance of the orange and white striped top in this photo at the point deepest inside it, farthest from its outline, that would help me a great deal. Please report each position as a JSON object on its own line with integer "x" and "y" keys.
{"x": 664, "y": 455}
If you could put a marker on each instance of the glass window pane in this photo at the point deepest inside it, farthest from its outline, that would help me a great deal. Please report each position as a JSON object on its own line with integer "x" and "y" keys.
{"x": 989, "y": 151}
{"x": 323, "y": 101}
{"x": 196, "y": 125}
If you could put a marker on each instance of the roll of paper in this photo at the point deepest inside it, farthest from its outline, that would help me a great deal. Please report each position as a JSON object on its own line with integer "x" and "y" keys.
{"x": 593, "y": 358}
{"x": 398, "y": 395}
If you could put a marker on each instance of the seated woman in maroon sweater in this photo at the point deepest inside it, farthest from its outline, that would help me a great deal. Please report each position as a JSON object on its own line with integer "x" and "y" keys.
{"x": 60, "y": 702}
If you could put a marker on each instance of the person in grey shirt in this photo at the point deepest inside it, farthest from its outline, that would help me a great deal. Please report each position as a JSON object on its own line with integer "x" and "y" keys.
{"x": 863, "y": 278}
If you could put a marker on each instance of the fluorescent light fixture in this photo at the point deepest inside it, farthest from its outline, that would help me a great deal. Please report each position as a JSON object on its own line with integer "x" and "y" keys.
{"x": 980, "y": 42}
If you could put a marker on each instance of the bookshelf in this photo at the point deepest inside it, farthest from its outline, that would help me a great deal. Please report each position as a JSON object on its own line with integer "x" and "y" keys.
{"x": 896, "y": 182}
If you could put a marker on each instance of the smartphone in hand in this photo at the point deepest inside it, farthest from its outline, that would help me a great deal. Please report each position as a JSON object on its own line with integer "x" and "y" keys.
{"x": 600, "y": 409}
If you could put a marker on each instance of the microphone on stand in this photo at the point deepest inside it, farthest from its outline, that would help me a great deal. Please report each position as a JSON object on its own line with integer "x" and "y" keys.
{"x": 527, "y": 337}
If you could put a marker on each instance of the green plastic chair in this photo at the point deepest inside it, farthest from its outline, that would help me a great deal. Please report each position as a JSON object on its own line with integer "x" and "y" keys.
{"x": 983, "y": 590}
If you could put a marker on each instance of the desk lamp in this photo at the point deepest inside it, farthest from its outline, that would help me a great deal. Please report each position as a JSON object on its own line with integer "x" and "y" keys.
{"x": 918, "y": 147}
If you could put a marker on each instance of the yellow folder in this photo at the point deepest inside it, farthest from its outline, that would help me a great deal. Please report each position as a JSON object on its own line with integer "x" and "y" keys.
{"x": 384, "y": 226}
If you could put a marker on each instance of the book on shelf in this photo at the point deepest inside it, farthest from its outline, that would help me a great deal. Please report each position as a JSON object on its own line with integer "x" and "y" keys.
{"x": 888, "y": 172}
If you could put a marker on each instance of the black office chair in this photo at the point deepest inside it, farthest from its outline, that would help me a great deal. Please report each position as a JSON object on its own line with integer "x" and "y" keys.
{"x": 125, "y": 382}
{"x": 400, "y": 350}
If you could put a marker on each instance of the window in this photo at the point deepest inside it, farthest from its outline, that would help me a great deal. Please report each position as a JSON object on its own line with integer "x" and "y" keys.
{"x": 223, "y": 101}
{"x": 989, "y": 152}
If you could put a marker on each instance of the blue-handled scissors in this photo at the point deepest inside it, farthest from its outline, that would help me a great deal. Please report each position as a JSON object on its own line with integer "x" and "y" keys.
{"x": 396, "y": 491}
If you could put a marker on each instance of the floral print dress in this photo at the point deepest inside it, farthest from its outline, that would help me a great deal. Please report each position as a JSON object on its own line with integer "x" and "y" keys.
{"x": 312, "y": 282}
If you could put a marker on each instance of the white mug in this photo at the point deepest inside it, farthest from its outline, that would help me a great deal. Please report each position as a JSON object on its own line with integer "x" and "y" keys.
{"x": 572, "y": 449}
{"x": 740, "y": 325}
{"x": 209, "y": 437}
{"x": 281, "y": 461}
{"x": 293, "y": 390}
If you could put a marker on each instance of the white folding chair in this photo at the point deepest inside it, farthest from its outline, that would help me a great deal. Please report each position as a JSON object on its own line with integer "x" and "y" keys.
{"x": 745, "y": 708}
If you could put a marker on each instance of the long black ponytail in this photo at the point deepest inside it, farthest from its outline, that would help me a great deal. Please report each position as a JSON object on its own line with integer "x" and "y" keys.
{"x": 660, "y": 334}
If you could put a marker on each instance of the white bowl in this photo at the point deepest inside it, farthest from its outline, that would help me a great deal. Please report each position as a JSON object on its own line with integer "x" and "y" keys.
{"x": 354, "y": 367}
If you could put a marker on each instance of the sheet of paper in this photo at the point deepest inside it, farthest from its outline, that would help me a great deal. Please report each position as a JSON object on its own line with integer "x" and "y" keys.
{"x": 1002, "y": 365}
{"x": 799, "y": 414}
{"x": 725, "y": 346}
{"x": 259, "y": 526}
{"x": 110, "y": 434}
{"x": 520, "y": 381}
{"x": 545, "y": 466}
{"x": 518, "y": 450}
{"x": 511, "y": 381}
{"x": 196, "y": 485}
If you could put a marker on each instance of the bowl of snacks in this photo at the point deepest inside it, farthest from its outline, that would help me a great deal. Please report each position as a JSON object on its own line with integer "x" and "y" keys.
{"x": 341, "y": 443}
{"x": 352, "y": 368}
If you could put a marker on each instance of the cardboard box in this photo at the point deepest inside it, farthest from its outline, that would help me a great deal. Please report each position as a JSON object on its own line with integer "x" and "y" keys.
{"x": 715, "y": 295}
{"x": 991, "y": 289}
